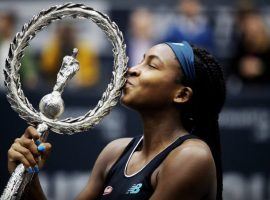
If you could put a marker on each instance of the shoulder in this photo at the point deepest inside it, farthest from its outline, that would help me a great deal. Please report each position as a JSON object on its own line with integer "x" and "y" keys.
{"x": 118, "y": 145}
{"x": 190, "y": 166}
{"x": 188, "y": 172}
{"x": 112, "y": 151}
{"x": 193, "y": 147}
{"x": 193, "y": 153}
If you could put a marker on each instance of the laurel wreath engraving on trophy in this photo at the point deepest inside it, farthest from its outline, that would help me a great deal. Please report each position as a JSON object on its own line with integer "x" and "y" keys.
{"x": 23, "y": 107}
{"x": 15, "y": 94}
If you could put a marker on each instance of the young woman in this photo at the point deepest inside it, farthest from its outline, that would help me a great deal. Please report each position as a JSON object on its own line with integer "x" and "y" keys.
{"x": 179, "y": 91}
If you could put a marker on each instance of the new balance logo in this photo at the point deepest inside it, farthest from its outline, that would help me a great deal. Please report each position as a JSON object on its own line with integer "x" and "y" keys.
{"x": 134, "y": 189}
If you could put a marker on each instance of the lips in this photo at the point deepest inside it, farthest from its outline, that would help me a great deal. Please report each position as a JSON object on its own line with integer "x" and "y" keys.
{"x": 128, "y": 83}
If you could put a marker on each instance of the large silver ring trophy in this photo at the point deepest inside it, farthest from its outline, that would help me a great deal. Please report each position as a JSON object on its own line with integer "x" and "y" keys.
{"x": 51, "y": 105}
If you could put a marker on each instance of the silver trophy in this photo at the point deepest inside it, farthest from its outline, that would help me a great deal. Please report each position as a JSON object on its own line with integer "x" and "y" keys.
{"x": 51, "y": 105}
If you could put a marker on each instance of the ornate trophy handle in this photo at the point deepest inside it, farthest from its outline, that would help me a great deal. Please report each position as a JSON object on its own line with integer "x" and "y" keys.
{"x": 20, "y": 178}
{"x": 51, "y": 106}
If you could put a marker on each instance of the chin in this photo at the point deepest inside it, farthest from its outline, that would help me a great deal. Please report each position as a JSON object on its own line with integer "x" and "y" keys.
{"x": 124, "y": 100}
{"x": 127, "y": 102}
{"x": 135, "y": 101}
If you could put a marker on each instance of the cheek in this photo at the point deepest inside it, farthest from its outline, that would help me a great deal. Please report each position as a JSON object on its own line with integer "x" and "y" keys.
{"x": 160, "y": 85}
{"x": 150, "y": 92}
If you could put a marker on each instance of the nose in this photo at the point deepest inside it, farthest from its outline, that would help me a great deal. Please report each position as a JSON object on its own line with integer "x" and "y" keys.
{"x": 133, "y": 71}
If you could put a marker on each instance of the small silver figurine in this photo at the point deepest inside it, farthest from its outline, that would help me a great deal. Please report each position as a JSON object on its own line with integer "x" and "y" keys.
{"x": 52, "y": 105}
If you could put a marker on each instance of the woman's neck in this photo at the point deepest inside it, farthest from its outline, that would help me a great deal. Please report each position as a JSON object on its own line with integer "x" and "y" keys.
{"x": 160, "y": 128}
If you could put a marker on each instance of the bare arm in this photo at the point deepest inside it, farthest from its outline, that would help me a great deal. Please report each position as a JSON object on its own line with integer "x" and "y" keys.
{"x": 34, "y": 190}
{"x": 187, "y": 174}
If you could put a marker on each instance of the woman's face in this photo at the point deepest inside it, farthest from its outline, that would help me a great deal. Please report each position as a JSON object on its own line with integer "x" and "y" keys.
{"x": 152, "y": 83}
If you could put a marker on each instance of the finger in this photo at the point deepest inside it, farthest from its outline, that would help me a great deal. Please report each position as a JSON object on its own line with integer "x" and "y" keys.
{"x": 47, "y": 149}
{"x": 31, "y": 133}
{"x": 15, "y": 156}
{"x": 44, "y": 136}
{"x": 25, "y": 152}
{"x": 29, "y": 144}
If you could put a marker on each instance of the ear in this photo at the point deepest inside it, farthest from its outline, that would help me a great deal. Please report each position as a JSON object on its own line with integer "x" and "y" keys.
{"x": 183, "y": 95}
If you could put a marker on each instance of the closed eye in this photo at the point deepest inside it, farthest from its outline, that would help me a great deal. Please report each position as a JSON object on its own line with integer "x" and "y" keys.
{"x": 148, "y": 61}
{"x": 152, "y": 66}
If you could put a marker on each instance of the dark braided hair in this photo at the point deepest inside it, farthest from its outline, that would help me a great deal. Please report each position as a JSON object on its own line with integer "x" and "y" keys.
{"x": 200, "y": 114}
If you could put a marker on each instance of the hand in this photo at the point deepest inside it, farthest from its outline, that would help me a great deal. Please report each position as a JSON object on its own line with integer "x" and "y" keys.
{"x": 28, "y": 150}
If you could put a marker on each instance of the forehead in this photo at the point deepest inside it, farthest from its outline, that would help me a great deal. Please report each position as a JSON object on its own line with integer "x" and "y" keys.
{"x": 165, "y": 54}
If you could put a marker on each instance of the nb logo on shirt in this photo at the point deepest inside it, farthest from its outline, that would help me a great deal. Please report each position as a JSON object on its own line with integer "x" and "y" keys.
{"x": 134, "y": 189}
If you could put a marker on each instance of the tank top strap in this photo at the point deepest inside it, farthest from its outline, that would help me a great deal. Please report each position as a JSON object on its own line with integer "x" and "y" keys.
{"x": 161, "y": 156}
{"x": 124, "y": 155}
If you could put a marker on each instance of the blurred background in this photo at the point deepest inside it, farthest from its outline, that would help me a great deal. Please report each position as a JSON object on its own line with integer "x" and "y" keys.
{"x": 236, "y": 32}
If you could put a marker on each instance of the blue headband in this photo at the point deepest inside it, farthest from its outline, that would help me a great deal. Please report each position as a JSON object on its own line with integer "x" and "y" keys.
{"x": 185, "y": 57}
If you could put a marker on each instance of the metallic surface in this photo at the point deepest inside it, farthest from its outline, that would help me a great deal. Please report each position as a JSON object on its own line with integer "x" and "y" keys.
{"x": 52, "y": 105}
{"x": 20, "y": 178}
{"x": 46, "y": 118}
{"x": 68, "y": 69}
{"x": 109, "y": 98}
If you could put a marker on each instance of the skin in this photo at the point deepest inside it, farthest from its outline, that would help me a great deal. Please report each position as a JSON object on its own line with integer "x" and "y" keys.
{"x": 188, "y": 172}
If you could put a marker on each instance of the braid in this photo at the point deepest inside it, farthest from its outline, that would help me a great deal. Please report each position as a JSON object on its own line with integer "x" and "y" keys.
{"x": 209, "y": 97}
{"x": 201, "y": 114}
